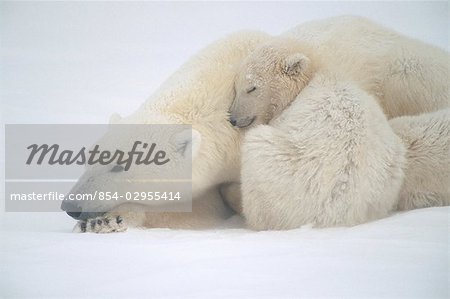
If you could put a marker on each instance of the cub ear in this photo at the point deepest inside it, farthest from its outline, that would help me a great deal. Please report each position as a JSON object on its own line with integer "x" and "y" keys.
{"x": 114, "y": 118}
{"x": 187, "y": 142}
{"x": 296, "y": 64}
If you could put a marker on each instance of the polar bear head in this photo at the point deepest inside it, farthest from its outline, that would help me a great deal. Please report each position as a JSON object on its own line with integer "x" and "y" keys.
{"x": 139, "y": 164}
{"x": 268, "y": 80}
{"x": 199, "y": 94}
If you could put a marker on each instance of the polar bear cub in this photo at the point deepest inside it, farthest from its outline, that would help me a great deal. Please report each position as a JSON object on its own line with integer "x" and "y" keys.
{"x": 329, "y": 156}
{"x": 330, "y": 159}
{"x": 269, "y": 79}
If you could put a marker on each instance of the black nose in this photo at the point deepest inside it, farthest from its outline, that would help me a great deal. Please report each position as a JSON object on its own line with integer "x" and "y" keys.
{"x": 233, "y": 120}
{"x": 71, "y": 209}
{"x": 74, "y": 215}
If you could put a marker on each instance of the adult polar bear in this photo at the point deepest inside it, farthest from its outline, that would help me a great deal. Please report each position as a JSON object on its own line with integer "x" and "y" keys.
{"x": 201, "y": 92}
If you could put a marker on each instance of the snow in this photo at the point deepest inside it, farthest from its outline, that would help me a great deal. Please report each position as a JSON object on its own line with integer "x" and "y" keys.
{"x": 405, "y": 255}
{"x": 80, "y": 62}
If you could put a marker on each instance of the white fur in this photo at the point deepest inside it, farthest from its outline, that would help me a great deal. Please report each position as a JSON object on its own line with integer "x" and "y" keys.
{"x": 407, "y": 76}
{"x": 330, "y": 159}
{"x": 200, "y": 94}
{"x": 362, "y": 160}
{"x": 427, "y": 139}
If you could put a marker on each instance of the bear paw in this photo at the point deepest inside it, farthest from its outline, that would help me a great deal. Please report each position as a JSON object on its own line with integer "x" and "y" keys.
{"x": 103, "y": 224}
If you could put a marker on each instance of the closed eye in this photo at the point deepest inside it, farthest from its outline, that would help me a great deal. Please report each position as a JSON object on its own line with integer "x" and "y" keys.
{"x": 251, "y": 89}
{"x": 117, "y": 168}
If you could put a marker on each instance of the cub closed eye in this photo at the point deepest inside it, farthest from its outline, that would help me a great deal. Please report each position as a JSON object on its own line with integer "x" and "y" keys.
{"x": 251, "y": 89}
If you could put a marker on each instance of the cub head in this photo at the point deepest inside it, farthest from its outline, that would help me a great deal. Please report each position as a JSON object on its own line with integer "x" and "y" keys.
{"x": 268, "y": 80}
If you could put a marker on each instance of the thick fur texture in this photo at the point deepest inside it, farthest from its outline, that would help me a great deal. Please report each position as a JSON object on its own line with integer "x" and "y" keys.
{"x": 355, "y": 163}
{"x": 403, "y": 74}
{"x": 199, "y": 93}
{"x": 406, "y": 76}
{"x": 330, "y": 159}
{"x": 427, "y": 139}
{"x": 269, "y": 79}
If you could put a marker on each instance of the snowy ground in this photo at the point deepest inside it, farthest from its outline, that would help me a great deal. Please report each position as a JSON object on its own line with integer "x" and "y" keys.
{"x": 405, "y": 255}
{"x": 79, "y": 62}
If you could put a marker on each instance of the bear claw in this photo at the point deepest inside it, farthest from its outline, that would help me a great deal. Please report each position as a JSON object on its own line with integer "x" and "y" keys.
{"x": 101, "y": 225}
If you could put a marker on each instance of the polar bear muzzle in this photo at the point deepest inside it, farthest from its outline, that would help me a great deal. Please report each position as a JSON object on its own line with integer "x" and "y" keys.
{"x": 76, "y": 212}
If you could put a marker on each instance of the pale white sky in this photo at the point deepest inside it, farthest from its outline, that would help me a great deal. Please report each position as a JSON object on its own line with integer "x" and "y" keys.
{"x": 76, "y": 62}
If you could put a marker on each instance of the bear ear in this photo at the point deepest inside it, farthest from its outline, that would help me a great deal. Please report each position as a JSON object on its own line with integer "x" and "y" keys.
{"x": 114, "y": 118}
{"x": 296, "y": 64}
{"x": 187, "y": 142}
